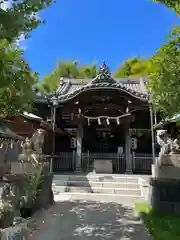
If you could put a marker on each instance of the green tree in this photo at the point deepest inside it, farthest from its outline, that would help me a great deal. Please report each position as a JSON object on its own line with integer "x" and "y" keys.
{"x": 20, "y": 17}
{"x": 16, "y": 78}
{"x": 69, "y": 70}
{"x": 165, "y": 83}
{"x": 173, "y": 4}
{"x": 134, "y": 67}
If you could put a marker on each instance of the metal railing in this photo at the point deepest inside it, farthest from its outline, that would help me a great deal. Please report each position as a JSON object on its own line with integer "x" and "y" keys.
{"x": 64, "y": 161}
{"x": 142, "y": 162}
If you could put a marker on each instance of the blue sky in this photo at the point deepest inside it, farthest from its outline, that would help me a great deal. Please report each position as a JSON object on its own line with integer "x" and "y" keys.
{"x": 87, "y": 30}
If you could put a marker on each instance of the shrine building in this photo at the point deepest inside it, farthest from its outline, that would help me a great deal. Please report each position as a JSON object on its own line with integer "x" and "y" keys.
{"x": 101, "y": 123}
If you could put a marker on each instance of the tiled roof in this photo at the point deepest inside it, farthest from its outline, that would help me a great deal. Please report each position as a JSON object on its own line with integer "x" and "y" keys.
{"x": 133, "y": 86}
{"x": 69, "y": 88}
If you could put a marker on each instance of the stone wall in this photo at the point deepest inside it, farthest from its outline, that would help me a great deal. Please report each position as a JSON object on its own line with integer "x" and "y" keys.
{"x": 164, "y": 192}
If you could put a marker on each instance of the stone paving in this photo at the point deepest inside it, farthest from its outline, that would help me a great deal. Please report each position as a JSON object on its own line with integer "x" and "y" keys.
{"x": 89, "y": 218}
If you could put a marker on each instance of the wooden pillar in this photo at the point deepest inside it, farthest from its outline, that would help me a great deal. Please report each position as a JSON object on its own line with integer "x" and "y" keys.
{"x": 79, "y": 146}
{"x": 152, "y": 133}
{"x": 128, "y": 151}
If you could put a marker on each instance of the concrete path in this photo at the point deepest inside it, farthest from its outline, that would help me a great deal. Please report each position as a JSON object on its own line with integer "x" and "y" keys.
{"x": 89, "y": 218}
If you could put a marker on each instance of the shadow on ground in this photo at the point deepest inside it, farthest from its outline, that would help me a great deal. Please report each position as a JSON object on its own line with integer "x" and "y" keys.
{"x": 88, "y": 220}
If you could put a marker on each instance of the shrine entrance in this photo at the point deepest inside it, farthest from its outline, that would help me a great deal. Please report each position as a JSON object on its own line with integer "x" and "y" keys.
{"x": 101, "y": 112}
{"x": 103, "y": 139}
{"x": 102, "y": 142}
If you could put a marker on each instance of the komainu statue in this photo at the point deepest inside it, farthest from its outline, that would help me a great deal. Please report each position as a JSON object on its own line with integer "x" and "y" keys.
{"x": 37, "y": 140}
{"x": 167, "y": 145}
{"x": 163, "y": 142}
{"x": 33, "y": 148}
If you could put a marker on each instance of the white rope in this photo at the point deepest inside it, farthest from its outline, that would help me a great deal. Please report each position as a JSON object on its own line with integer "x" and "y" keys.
{"x": 107, "y": 121}
{"x": 89, "y": 118}
{"x": 117, "y": 121}
{"x": 79, "y": 110}
{"x": 99, "y": 121}
{"x": 111, "y": 118}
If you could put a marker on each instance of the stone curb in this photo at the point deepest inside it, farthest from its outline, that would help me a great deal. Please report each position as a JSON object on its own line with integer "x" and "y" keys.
{"x": 22, "y": 230}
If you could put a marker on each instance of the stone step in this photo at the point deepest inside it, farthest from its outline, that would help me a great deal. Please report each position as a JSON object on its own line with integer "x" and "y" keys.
{"x": 97, "y": 178}
{"x": 128, "y": 185}
{"x": 103, "y": 190}
{"x": 100, "y": 197}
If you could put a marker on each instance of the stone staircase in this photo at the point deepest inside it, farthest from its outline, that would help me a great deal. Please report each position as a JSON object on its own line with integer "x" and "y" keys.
{"x": 97, "y": 184}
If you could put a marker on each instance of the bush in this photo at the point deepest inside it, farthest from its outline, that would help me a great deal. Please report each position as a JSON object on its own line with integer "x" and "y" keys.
{"x": 27, "y": 201}
{"x": 6, "y": 214}
{"x": 38, "y": 194}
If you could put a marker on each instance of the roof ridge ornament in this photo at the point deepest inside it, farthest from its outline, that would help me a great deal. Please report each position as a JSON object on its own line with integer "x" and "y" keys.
{"x": 104, "y": 75}
{"x": 104, "y": 71}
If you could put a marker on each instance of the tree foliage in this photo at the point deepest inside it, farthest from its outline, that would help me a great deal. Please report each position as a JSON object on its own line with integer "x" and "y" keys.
{"x": 66, "y": 70}
{"x": 20, "y": 17}
{"x": 163, "y": 68}
{"x": 134, "y": 67}
{"x": 173, "y": 4}
{"x": 16, "y": 78}
{"x": 165, "y": 83}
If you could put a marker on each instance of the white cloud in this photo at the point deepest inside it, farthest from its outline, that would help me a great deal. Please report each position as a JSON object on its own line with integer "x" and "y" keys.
{"x": 21, "y": 42}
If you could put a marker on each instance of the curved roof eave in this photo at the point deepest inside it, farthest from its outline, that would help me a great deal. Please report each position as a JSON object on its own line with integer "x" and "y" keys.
{"x": 88, "y": 87}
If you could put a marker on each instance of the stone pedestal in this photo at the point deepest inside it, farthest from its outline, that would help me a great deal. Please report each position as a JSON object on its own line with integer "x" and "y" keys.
{"x": 26, "y": 167}
{"x": 103, "y": 166}
{"x": 165, "y": 172}
{"x": 17, "y": 168}
{"x": 164, "y": 193}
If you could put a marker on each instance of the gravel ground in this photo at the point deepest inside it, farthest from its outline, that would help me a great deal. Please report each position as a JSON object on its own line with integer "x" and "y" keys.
{"x": 88, "y": 218}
